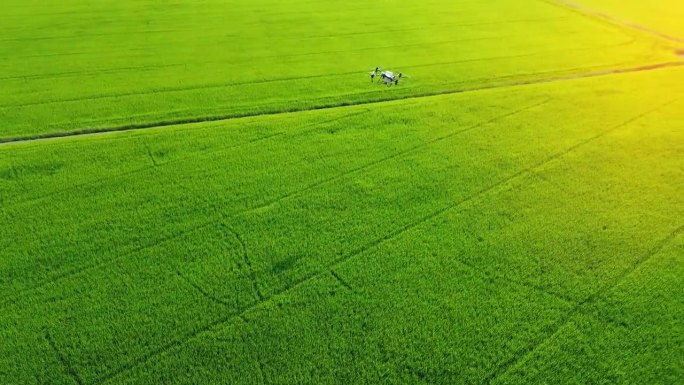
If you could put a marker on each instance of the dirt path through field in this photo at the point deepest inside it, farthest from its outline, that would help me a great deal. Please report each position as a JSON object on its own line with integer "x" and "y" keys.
{"x": 217, "y": 118}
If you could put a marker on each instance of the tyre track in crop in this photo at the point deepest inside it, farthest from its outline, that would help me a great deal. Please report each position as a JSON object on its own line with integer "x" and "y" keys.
{"x": 553, "y": 329}
{"x": 400, "y": 154}
{"x": 285, "y": 38}
{"x": 248, "y": 263}
{"x": 137, "y": 362}
{"x": 76, "y": 271}
{"x": 261, "y": 367}
{"x": 439, "y": 26}
{"x": 102, "y": 71}
{"x": 613, "y": 21}
{"x": 122, "y": 175}
{"x": 52, "y": 75}
{"x": 205, "y": 293}
{"x": 158, "y": 66}
{"x": 103, "y": 34}
{"x": 222, "y": 85}
{"x": 305, "y": 129}
{"x": 503, "y": 277}
{"x": 172, "y": 90}
{"x": 63, "y": 359}
{"x": 229, "y": 62}
{"x": 52, "y": 55}
{"x": 341, "y": 281}
{"x": 313, "y": 186}
{"x": 79, "y": 270}
{"x": 560, "y": 76}
{"x": 153, "y": 67}
{"x": 149, "y": 153}
{"x": 212, "y": 221}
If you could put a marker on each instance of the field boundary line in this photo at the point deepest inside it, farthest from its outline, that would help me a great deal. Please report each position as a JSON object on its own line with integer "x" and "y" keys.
{"x": 371, "y": 245}
{"x": 340, "y": 104}
{"x": 614, "y": 21}
{"x": 62, "y": 358}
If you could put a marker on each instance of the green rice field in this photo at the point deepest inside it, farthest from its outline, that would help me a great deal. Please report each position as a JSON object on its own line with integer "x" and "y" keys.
{"x": 214, "y": 192}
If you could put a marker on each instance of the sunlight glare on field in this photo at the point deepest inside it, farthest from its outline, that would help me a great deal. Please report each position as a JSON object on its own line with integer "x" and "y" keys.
{"x": 664, "y": 16}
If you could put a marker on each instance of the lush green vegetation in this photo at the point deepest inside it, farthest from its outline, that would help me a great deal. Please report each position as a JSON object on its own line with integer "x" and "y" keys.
{"x": 516, "y": 234}
{"x": 74, "y": 65}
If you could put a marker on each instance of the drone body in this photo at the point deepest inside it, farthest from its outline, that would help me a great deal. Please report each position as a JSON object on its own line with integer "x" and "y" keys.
{"x": 386, "y": 77}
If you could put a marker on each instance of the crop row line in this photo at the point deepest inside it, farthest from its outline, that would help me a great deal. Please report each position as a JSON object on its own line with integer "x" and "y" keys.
{"x": 211, "y": 222}
{"x": 355, "y": 11}
{"x": 220, "y": 85}
{"x": 242, "y": 36}
{"x": 103, "y": 71}
{"x": 339, "y": 279}
{"x": 250, "y": 59}
{"x": 275, "y": 201}
{"x": 66, "y": 364}
{"x": 503, "y": 277}
{"x": 439, "y": 26}
{"x": 159, "y": 66}
{"x": 204, "y": 292}
{"x": 612, "y": 20}
{"x": 115, "y": 177}
{"x": 554, "y": 328}
{"x": 248, "y": 263}
{"x": 345, "y": 257}
{"x": 549, "y": 332}
{"x": 337, "y": 104}
{"x": 199, "y": 227}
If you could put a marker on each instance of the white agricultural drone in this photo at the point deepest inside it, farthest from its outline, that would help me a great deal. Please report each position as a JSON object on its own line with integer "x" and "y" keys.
{"x": 386, "y": 77}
